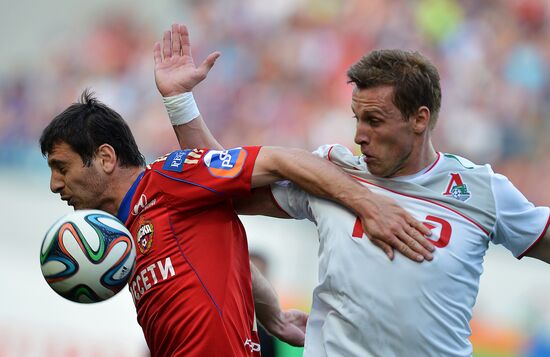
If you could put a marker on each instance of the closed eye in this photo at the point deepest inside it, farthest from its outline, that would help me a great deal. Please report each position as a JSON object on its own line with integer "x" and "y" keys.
{"x": 58, "y": 166}
{"x": 374, "y": 122}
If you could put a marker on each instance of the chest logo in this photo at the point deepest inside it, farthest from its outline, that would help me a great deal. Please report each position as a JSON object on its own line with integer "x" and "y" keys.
{"x": 142, "y": 204}
{"x": 457, "y": 189}
{"x": 144, "y": 236}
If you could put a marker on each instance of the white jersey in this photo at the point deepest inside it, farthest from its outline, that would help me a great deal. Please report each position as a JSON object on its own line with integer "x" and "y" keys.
{"x": 367, "y": 305}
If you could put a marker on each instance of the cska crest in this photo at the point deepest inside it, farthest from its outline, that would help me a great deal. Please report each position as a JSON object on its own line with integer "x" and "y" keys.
{"x": 144, "y": 236}
{"x": 457, "y": 188}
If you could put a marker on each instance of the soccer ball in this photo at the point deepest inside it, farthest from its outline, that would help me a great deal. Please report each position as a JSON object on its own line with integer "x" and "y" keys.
{"x": 87, "y": 256}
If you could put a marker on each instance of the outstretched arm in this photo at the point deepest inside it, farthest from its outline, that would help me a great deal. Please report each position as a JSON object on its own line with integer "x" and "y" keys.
{"x": 176, "y": 75}
{"x": 386, "y": 223}
{"x": 288, "y": 326}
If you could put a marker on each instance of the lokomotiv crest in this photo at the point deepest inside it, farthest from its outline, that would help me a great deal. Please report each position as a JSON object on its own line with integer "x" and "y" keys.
{"x": 457, "y": 188}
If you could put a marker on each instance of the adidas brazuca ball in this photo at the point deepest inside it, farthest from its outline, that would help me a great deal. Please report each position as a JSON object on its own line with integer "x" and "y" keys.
{"x": 87, "y": 256}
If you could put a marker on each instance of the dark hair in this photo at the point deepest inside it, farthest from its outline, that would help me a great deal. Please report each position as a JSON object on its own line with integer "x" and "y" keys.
{"x": 87, "y": 125}
{"x": 414, "y": 78}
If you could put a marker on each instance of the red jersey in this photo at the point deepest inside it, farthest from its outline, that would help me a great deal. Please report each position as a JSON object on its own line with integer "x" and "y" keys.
{"x": 191, "y": 286}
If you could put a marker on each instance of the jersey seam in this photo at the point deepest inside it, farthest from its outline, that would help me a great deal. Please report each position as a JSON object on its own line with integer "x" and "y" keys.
{"x": 496, "y": 206}
{"x": 171, "y": 199}
{"x": 469, "y": 219}
{"x": 188, "y": 182}
{"x": 192, "y": 267}
{"x": 328, "y": 153}
{"x": 537, "y": 240}
{"x": 434, "y": 164}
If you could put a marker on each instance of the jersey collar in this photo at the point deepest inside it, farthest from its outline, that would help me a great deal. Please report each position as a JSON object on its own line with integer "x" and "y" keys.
{"x": 124, "y": 209}
{"x": 419, "y": 173}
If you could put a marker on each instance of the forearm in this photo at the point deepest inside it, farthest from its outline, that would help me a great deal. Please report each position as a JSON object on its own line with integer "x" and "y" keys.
{"x": 195, "y": 134}
{"x": 315, "y": 175}
{"x": 266, "y": 301}
{"x": 188, "y": 124}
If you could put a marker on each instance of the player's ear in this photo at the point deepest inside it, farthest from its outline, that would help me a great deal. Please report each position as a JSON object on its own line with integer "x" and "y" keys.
{"x": 421, "y": 120}
{"x": 106, "y": 157}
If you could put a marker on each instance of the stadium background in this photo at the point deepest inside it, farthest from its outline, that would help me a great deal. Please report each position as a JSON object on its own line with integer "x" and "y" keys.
{"x": 280, "y": 81}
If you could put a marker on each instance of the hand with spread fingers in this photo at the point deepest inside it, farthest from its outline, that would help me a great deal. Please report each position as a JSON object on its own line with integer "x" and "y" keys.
{"x": 175, "y": 70}
{"x": 390, "y": 227}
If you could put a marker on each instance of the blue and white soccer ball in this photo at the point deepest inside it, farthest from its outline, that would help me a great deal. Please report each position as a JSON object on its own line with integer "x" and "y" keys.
{"x": 87, "y": 256}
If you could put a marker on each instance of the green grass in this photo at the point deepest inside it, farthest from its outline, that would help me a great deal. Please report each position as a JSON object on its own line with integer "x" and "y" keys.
{"x": 286, "y": 350}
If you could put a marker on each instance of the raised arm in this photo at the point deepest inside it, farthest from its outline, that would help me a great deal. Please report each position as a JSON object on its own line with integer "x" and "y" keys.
{"x": 176, "y": 75}
{"x": 387, "y": 224}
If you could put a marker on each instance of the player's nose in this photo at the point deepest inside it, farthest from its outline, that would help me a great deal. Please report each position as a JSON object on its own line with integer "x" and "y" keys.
{"x": 361, "y": 136}
{"x": 56, "y": 183}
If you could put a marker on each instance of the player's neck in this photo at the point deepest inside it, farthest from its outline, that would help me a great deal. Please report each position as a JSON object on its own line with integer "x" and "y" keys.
{"x": 421, "y": 158}
{"x": 427, "y": 157}
{"x": 122, "y": 181}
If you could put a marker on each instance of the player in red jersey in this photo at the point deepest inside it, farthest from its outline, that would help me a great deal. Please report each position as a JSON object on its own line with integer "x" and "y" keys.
{"x": 192, "y": 282}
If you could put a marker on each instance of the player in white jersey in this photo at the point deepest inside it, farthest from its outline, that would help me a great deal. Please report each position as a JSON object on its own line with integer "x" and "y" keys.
{"x": 366, "y": 305}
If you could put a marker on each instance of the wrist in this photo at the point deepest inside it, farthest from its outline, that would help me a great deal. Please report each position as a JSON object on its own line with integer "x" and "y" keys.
{"x": 363, "y": 203}
{"x": 353, "y": 194}
{"x": 274, "y": 324}
{"x": 181, "y": 108}
{"x": 175, "y": 92}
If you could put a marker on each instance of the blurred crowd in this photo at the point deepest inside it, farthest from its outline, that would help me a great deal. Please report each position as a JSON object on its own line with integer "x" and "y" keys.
{"x": 281, "y": 78}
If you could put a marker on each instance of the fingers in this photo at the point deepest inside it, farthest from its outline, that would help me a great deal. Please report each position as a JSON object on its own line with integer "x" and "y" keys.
{"x": 419, "y": 226}
{"x": 386, "y": 248}
{"x": 184, "y": 38}
{"x": 297, "y": 317}
{"x": 303, "y": 319}
{"x": 167, "y": 44}
{"x": 401, "y": 239}
{"x": 176, "y": 40}
{"x": 208, "y": 63}
{"x": 292, "y": 327}
{"x": 156, "y": 53}
{"x": 410, "y": 248}
{"x": 295, "y": 337}
{"x": 412, "y": 230}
